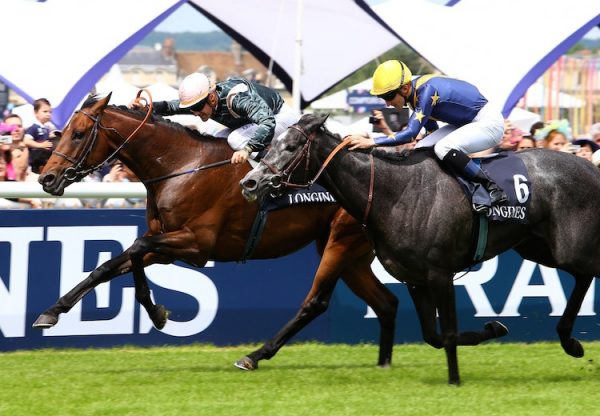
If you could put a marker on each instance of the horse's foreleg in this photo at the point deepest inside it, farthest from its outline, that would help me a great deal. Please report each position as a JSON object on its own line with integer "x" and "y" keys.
{"x": 178, "y": 244}
{"x": 108, "y": 270}
{"x": 570, "y": 345}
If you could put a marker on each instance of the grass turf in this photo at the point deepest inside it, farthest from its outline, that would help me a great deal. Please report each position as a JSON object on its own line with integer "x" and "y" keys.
{"x": 304, "y": 379}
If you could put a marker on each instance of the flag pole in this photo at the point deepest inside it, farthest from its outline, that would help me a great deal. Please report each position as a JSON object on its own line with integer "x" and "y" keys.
{"x": 296, "y": 100}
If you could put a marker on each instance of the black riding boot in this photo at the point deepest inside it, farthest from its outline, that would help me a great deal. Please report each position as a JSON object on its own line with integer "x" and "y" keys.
{"x": 463, "y": 165}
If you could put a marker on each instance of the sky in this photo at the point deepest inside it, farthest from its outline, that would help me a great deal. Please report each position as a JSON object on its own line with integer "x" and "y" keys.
{"x": 188, "y": 19}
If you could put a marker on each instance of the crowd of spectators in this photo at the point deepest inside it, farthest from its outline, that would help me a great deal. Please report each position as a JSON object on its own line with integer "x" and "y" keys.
{"x": 24, "y": 150}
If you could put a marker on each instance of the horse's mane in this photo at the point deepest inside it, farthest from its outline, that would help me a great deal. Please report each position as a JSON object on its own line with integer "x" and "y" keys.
{"x": 391, "y": 154}
{"x": 139, "y": 114}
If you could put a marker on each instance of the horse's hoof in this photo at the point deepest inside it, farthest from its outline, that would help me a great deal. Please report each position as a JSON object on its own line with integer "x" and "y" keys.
{"x": 45, "y": 321}
{"x": 385, "y": 365}
{"x": 247, "y": 364}
{"x": 497, "y": 328}
{"x": 160, "y": 316}
{"x": 573, "y": 348}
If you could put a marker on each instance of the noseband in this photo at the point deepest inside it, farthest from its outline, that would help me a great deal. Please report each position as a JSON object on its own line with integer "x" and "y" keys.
{"x": 78, "y": 171}
{"x": 282, "y": 178}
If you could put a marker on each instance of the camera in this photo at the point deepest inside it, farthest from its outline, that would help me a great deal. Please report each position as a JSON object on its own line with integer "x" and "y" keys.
{"x": 395, "y": 119}
{"x": 7, "y": 128}
{"x": 6, "y": 139}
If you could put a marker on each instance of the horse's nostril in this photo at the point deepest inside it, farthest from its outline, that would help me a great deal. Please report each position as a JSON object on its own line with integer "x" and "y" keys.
{"x": 249, "y": 184}
{"x": 46, "y": 179}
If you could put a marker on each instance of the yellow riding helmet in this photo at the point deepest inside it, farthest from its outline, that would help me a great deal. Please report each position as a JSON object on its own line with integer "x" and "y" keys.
{"x": 390, "y": 75}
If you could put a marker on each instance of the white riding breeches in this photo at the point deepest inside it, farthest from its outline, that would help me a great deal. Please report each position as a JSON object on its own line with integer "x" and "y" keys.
{"x": 484, "y": 132}
{"x": 239, "y": 137}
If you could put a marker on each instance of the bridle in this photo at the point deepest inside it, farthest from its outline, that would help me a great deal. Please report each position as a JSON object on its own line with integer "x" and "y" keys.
{"x": 281, "y": 179}
{"x": 77, "y": 170}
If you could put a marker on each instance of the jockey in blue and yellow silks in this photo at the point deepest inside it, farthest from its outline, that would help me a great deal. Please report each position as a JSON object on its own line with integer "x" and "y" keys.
{"x": 474, "y": 124}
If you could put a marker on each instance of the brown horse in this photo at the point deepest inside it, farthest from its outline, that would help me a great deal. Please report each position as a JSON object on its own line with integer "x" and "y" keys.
{"x": 201, "y": 216}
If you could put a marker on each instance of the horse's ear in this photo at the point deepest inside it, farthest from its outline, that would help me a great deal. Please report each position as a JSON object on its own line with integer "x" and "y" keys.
{"x": 314, "y": 121}
{"x": 322, "y": 119}
{"x": 102, "y": 103}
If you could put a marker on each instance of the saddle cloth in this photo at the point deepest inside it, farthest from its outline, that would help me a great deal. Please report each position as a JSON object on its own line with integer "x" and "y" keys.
{"x": 313, "y": 195}
{"x": 510, "y": 173}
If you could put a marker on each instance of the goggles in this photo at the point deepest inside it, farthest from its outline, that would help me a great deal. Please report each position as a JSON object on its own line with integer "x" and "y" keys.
{"x": 199, "y": 105}
{"x": 388, "y": 96}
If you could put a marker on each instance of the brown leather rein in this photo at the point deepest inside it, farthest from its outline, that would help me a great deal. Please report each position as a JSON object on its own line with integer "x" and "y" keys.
{"x": 282, "y": 178}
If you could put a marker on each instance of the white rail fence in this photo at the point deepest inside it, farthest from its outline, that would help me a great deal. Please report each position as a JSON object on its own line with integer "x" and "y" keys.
{"x": 77, "y": 190}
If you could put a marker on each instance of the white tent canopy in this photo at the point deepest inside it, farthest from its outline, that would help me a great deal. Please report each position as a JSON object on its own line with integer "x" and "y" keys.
{"x": 500, "y": 46}
{"x": 77, "y": 43}
{"x": 474, "y": 40}
{"x": 337, "y": 36}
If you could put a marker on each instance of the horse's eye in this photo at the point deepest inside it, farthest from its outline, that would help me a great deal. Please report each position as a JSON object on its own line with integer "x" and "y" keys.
{"x": 77, "y": 136}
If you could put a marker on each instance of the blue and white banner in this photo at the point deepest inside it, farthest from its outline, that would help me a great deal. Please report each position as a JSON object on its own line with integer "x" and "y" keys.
{"x": 45, "y": 253}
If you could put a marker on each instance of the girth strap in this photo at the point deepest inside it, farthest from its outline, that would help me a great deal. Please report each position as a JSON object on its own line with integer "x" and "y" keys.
{"x": 482, "y": 234}
{"x": 255, "y": 234}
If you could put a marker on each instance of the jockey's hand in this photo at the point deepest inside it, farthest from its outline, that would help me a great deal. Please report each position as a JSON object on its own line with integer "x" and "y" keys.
{"x": 360, "y": 142}
{"x": 240, "y": 156}
{"x": 137, "y": 104}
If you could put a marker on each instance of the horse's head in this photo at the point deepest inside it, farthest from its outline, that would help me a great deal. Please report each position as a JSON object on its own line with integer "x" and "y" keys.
{"x": 78, "y": 151}
{"x": 285, "y": 155}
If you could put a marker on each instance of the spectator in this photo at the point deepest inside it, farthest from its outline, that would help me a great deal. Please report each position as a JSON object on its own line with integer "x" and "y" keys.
{"x": 509, "y": 140}
{"x": 595, "y": 133}
{"x": 555, "y": 135}
{"x": 121, "y": 173}
{"x": 15, "y": 202}
{"x": 586, "y": 149}
{"x": 526, "y": 142}
{"x": 596, "y": 158}
{"x": 538, "y": 125}
{"x": 15, "y": 153}
{"x": 38, "y": 136}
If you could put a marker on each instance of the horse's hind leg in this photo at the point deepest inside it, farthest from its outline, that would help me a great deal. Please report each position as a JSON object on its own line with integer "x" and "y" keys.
{"x": 427, "y": 318}
{"x": 570, "y": 345}
{"x": 108, "y": 270}
{"x": 442, "y": 291}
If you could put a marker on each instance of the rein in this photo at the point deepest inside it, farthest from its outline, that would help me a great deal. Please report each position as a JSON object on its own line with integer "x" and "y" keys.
{"x": 77, "y": 171}
{"x": 282, "y": 178}
{"x": 173, "y": 175}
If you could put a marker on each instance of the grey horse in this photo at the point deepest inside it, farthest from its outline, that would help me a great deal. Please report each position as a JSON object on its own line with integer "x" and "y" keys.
{"x": 421, "y": 222}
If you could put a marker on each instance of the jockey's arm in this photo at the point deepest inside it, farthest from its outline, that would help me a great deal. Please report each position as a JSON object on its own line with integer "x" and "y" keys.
{"x": 257, "y": 112}
{"x": 418, "y": 119}
{"x": 168, "y": 108}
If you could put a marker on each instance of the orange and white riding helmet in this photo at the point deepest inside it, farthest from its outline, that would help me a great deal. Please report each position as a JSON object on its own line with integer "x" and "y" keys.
{"x": 193, "y": 89}
{"x": 390, "y": 76}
